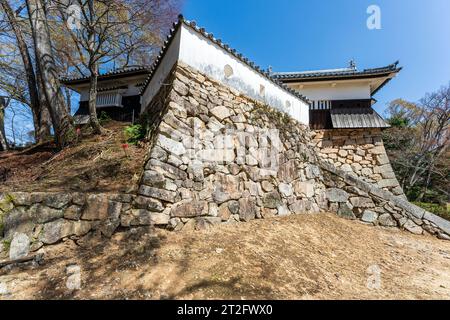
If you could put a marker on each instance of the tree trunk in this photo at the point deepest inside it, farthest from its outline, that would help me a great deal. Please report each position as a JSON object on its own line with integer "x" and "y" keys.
{"x": 40, "y": 115}
{"x": 68, "y": 96}
{"x": 93, "y": 69}
{"x": 95, "y": 124}
{"x": 44, "y": 118}
{"x": 62, "y": 122}
{"x": 3, "y": 141}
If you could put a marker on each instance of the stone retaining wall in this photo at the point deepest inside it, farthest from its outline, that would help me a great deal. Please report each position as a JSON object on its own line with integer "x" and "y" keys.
{"x": 220, "y": 157}
{"x": 360, "y": 151}
{"x": 46, "y": 218}
{"x": 353, "y": 198}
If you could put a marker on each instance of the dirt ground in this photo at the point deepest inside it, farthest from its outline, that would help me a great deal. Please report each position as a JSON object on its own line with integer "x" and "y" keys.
{"x": 94, "y": 164}
{"x": 297, "y": 257}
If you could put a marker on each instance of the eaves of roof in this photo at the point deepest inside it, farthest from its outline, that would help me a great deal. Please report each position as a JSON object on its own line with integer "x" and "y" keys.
{"x": 344, "y": 74}
{"x": 112, "y": 74}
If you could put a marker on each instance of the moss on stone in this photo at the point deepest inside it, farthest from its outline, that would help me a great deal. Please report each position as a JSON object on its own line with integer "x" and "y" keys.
{"x": 7, "y": 204}
{"x": 6, "y": 245}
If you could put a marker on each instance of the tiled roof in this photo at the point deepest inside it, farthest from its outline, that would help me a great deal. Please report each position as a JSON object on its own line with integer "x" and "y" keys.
{"x": 111, "y": 73}
{"x": 344, "y": 118}
{"x": 336, "y": 73}
{"x": 210, "y": 36}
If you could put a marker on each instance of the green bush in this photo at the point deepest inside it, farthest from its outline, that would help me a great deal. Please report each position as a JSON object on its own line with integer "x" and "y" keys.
{"x": 135, "y": 133}
{"x": 104, "y": 118}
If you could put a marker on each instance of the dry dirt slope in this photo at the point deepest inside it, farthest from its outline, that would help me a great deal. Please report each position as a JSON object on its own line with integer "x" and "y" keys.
{"x": 297, "y": 257}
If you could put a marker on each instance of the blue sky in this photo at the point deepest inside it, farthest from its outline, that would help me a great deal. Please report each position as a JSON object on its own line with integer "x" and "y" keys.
{"x": 295, "y": 35}
{"x": 292, "y": 35}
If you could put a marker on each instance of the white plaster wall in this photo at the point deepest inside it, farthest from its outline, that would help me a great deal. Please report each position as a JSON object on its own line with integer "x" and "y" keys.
{"x": 342, "y": 90}
{"x": 210, "y": 59}
{"x": 166, "y": 65}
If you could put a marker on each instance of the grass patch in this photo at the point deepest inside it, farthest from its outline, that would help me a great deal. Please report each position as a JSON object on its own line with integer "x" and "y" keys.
{"x": 6, "y": 245}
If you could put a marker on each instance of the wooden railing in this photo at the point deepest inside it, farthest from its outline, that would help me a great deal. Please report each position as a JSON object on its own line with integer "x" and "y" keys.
{"x": 320, "y": 105}
{"x": 109, "y": 99}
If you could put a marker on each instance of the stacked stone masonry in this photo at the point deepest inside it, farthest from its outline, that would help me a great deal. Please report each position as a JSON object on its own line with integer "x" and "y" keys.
{"x": 195, "y": 190}
{"x": 360, "y": 151}
{"x": 220, "y": 157}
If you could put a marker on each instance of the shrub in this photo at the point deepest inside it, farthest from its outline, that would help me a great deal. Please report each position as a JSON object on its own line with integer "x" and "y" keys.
{"x": 104, "y": 118}
{"x": 135, "y": 133}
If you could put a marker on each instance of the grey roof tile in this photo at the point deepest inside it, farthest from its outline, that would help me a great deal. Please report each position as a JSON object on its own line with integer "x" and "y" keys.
{"x": 344, "y": 118}
{"x": 337, "y": 73}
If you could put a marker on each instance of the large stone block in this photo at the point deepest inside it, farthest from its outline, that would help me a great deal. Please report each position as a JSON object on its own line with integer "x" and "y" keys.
{"x": 226, "y": 187}
{"x": 189, "y": 209}
{"x": 312, "y": 171}
{"x": 300, "y": 206}
{"x": 42, "y": 213}
{"x": 221, "y": 112}
{"x": 55, "y": 231}
{"x": 383, "y": 169}
{"x": 153, "y": 179}
{"x": 288, "y": 171}
{"x": 164, "y": 195}
{"x": 346, "y": 211}
{"x": 166, "y": 169}
{"x": 20, "y": 246}
{"x": 247, "y": 209}
{"x": 96, "y": 208}
{"x": 386, "y": 220}
{"x": 362, "y": 202}
{"x": 336, "y": 195}
{"x": 149, "y": 218}
{"x": 18, "y": 220}
{"x": 58, "y": 200}
{"x": 387, "y": 183}
{"x": 369, "y": 216}
{"x": 148, "y": 204}
{"x": 441, "y": 223}
{"x": 73, "y": 213}
{"x": 272, "y": 200}
{"x": 171, "y": 146}
{"x": 285, "y": 189}
{"x": 304, "y": 189}
{"x": 412, "y": 227}
{"x": 224, "y": 212}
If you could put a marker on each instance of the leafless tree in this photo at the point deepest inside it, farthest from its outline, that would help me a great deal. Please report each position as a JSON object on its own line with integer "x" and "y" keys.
{"x": 46, "y": 65}
{"x": 423, "y": 139}
{"x": 38, "y": 104}
{"x": 114, "y": 30}
{"x": 4, "y": 102}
